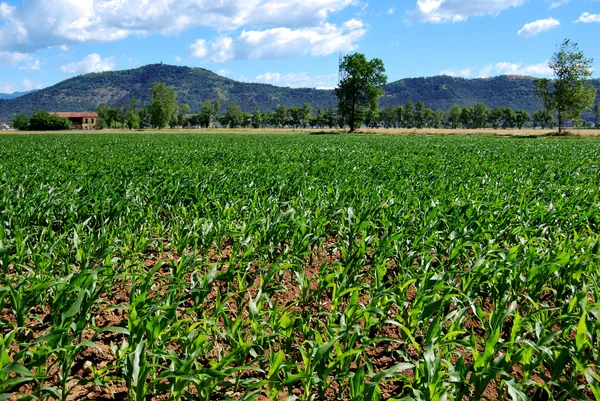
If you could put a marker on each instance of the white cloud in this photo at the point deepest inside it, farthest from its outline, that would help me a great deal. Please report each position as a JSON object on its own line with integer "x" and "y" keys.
{"x": 34, "y": 65}
{"x": 92, "y": 63}
{"x": 465, "y": 73}
{"x": 588, "y": 18}
{"x": 199, "y": 49}
{"x": 502, "y": 68}
{"x": 438, "y": 11}
{"x": 38, "y": 24}
{"x": 298, "y": 80}
{"x": 533, "y": 28}
{"x": 391, "y": 11}
{"x": 13, "y": 58}
{"x": 223, "y": 72}
{"x": 505, "y": 68}
{"x": 23, "y": 60}
{"x": 558, "y": 3}
{"x": 276, "y": 43}
{"x": 25, "y": 86}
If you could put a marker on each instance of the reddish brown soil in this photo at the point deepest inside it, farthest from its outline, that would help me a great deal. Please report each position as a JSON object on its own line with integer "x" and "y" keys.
{"x": 112, "y": 312}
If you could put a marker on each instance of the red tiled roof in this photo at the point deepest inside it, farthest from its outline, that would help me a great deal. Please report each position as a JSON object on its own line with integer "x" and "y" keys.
{"x": 89, "y": 114}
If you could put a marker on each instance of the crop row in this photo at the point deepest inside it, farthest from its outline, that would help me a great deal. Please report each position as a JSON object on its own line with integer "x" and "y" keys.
{"x": 298, "y": 267}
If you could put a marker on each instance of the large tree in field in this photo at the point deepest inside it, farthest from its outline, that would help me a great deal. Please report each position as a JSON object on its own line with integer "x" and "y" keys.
{"x": 360, "y": 87}
{"x": 542, "y": 119}
{"x": 572, "y": 92}
{"x": 164, "y": 105}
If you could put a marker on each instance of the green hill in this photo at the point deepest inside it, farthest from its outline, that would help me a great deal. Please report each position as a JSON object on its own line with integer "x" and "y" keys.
{"x": 194, "y": 85}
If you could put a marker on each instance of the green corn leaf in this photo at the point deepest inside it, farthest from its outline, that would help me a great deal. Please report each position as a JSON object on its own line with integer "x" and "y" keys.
{"x": 74, "y": 309}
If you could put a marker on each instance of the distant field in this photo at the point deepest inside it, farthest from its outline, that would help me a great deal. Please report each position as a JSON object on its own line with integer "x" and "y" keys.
{"x": 284, "y": 267}
{"x": 269, "y": 131}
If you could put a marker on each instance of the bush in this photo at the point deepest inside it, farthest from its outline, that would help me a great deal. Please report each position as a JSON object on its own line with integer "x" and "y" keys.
{"x": 44, "y": 121}
{"x": 21, "y": 122}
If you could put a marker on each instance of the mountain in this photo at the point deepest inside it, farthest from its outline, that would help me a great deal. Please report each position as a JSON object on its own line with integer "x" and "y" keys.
{"x": 14, "y": 95}
{"x": 194, "y": 85}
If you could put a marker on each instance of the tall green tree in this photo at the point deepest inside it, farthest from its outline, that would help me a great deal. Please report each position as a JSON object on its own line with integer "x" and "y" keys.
{"x": 256, "y": 118}
{"x": 429, "y": 118}
{"x": 132, "y": 118}
{"x": 454, "y": 116}
{"x": 388, "y": 117}
{"x": 280, "y": 117}
{"x": 330, "y": 117}
{"x": 319, "y": 120}
{"x": 182, "y": 111}
{"x": 420, "y": 114}
{"x": 305, "y": 114}
{"x": 521, "y": 118}
{"x": 360, "y": 87}
{"x": 572, "y": 92}
{"x": 372, "y": 118}
{"x": 542, "y": 119}
{"x": 163, "y": 106}
{"x": 480, "y": 115}
{"x": 409, "y": 114}
{"x": 508, "y": 118}
{"x": 495, "y": 117}
{"x": 440, "y": 116}
{"x": 234, "y": 117}
{"x": 209, "y": 113}
{"x": 400, "y": 116}
{"x": 466, "y": 117}
{"x": 108, "y": 116}
{"x": 295, "y": 117}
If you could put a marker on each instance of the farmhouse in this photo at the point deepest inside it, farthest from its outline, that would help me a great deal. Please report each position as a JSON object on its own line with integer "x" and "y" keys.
{"x": 85, "y": 120}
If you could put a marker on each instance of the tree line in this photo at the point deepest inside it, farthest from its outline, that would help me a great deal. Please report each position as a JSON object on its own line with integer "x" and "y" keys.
{"x": 411, "y": 115}
{"x": 166, "y": 112}
{"x": 358, "y": 95}
{"x": 567, "y": 96}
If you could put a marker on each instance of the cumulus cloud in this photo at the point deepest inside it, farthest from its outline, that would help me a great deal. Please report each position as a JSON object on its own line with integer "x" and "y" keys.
{"x": 558, "y": 3}
{"x": 438, "y": 11}
{"x": 275, "y": 43}
{"x": 505, "y": 68}
{"x": 13, "y": 58}
{"x": 38, "y": 24}
{"x": 33, "y": 65}
{"x": 199, "y": 49}
{"x": 502, "y": 68}
{"x": 464, "y": 73}
{"x": 92, "y": 63}
{"x": 298, "y": 80}
{"x": 533, "y": 28}
{"x": 24, "y": 86}
{"x": 588, "y": 18}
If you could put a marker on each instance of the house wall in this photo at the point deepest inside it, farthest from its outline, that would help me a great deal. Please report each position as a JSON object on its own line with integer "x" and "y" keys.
{"x": 84, "y": 123}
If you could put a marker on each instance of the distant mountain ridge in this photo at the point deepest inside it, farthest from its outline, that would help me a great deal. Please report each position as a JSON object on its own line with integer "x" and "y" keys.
{"x": 14, "y": 95}
{"x": 194, "y": 85}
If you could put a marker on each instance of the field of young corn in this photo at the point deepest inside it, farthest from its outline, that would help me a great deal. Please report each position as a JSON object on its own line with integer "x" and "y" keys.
{"x": 183, "y": 267}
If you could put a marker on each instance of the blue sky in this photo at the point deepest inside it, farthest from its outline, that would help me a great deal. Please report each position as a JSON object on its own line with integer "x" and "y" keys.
{"x": 288, "y": 42}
